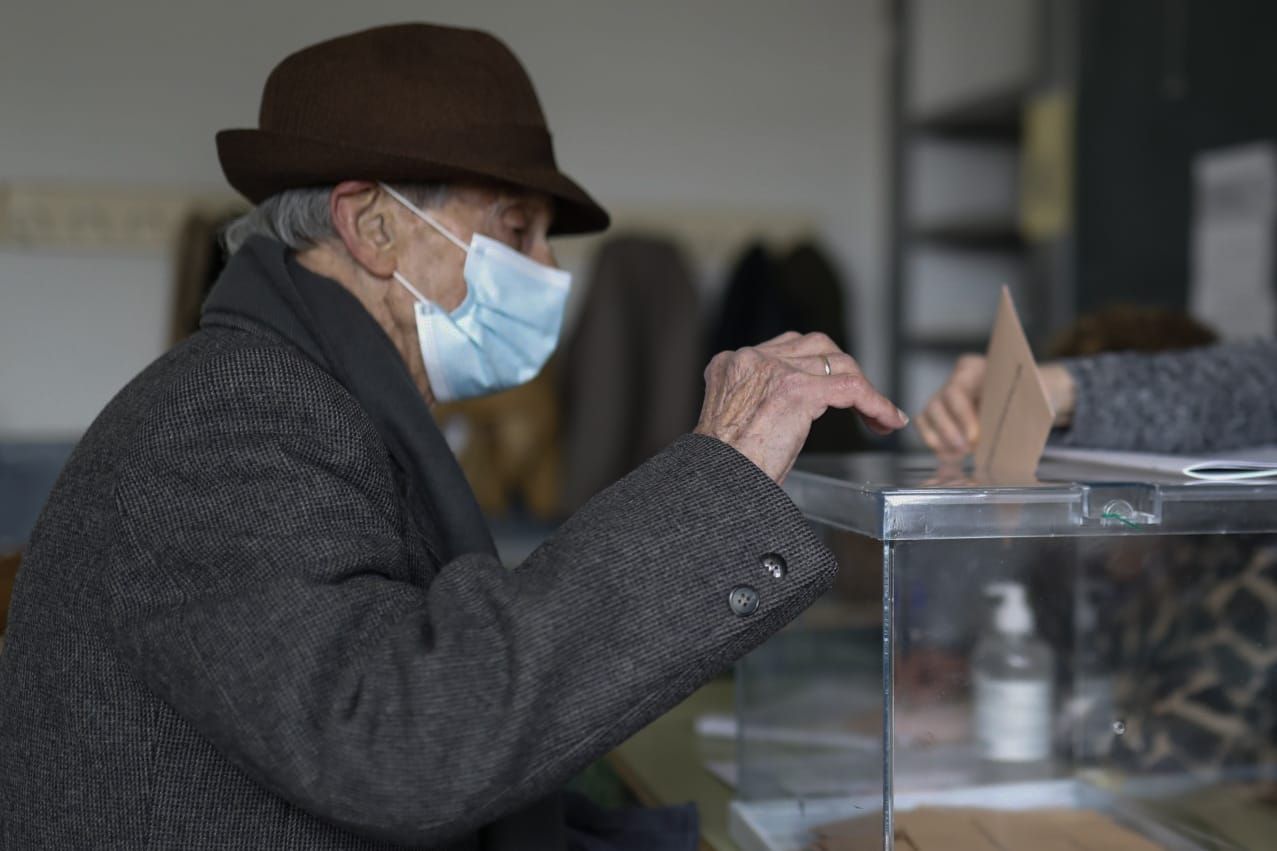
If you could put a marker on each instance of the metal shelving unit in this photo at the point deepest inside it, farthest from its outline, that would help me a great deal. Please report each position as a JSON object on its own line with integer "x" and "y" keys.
{"x": 983, "y": 119}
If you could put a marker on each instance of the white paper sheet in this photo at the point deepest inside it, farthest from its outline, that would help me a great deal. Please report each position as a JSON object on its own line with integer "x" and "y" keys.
{"x": 1234, "y": 221}
{"x": 1234, "y": 465}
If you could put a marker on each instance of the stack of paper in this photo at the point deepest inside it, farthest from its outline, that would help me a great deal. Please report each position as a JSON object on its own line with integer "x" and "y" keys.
{"x": 1233, "y": 466}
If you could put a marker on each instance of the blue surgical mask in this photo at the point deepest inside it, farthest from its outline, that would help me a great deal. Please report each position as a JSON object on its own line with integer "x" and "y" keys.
{"x": 504, "y": 330}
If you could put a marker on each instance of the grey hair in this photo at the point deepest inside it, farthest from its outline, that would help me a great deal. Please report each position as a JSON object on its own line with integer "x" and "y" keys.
{"x": 299, "y": 218}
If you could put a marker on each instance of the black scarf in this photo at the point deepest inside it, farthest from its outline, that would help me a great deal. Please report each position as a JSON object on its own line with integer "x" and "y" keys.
{"x": 265, "y": 285}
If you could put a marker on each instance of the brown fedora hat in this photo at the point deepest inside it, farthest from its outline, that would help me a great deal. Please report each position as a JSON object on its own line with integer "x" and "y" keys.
{"x": 410, "y": 103}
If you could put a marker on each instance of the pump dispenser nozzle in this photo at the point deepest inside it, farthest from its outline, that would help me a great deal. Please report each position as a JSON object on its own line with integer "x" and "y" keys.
{"x": 1014, "y": 674}
{"x": 1013, "y": 617}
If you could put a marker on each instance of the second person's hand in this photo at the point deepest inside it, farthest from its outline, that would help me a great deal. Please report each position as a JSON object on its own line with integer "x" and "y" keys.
{"x": 950, "y": 423}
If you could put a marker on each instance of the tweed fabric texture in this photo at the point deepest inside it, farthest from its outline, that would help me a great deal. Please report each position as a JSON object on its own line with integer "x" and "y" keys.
{"x": 1198, "y": 400}
{"x": 264, "y": 287}
{"x": 230, "y": 631}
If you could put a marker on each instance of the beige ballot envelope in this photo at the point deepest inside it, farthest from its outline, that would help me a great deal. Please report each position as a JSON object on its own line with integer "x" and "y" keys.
{"x": 1015, "y": 411}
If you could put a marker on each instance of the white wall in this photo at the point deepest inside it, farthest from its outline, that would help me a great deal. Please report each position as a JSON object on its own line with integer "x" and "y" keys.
{"x": 743, "y": 104}
{"x": 966, "y": 49}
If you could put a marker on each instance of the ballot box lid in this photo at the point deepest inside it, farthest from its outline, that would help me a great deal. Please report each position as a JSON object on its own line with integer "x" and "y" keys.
{"x": 899, "y": 497}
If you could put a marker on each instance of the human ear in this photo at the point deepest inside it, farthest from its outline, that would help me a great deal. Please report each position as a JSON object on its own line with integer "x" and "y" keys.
{"x": 363, "y": 223}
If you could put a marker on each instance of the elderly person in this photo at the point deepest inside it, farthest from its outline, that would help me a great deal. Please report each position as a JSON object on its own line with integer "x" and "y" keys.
{"x": 261, "y": 609}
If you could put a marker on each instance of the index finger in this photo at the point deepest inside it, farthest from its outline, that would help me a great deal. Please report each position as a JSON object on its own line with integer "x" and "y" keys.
{"x": 853, "y": 390}
{"x": 963, "y": 412}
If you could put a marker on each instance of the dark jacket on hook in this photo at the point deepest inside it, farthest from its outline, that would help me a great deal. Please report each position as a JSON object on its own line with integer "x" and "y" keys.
{"x": 802, "y": 291}
{"x": 633, "y": 371}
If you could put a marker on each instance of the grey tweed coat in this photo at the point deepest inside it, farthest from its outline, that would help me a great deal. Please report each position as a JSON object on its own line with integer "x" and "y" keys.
{"x": 230, "y": 630}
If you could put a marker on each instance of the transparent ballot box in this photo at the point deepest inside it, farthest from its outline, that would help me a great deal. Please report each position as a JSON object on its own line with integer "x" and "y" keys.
{"x": 1083, "y": 659}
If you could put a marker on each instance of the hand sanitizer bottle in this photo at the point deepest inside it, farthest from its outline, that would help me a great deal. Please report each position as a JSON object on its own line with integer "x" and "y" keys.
{"x": 1014, "y": 673}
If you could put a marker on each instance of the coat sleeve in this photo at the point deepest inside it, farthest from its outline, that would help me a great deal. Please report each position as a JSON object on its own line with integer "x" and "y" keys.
{"x": 262, "y": 588}
{"x": 1199, "y": 400}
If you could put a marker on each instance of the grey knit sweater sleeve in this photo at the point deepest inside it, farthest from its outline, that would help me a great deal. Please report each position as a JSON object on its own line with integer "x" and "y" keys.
{"x": 1200, "y": 400}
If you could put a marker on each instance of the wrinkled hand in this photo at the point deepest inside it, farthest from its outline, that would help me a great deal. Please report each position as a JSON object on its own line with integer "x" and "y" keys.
{"x": 762, "y": 400}
{"x": 950, "y": 424}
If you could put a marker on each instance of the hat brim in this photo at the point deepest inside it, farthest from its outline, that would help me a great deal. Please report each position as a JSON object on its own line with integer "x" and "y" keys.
{"x": 261, "y": 163}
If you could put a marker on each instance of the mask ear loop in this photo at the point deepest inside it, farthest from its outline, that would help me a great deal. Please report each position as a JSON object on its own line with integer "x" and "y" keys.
{"x": 428, "y": 219}
{"x": 409, "y": 287}
{"x": 425, "y": 217}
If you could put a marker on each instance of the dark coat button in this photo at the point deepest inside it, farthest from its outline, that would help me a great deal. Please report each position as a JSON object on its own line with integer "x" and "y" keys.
{"x": 743, "y": 600}
{"x": 774, "y": 565}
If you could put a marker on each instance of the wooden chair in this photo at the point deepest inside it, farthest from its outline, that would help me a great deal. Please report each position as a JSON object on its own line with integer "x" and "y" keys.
{"x": 8, "y": 572}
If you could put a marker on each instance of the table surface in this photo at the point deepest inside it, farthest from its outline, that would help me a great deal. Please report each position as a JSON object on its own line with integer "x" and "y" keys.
{"x": 661, "y": 764}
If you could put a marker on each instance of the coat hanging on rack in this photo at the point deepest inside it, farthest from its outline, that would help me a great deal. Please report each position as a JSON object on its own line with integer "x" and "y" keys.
{"x": 801, "y": 291}
{"x": 633, "y": 370}
{"x": 815, "y": 293}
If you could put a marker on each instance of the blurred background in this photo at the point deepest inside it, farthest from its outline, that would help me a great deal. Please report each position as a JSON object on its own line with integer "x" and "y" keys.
{"x": 877, "y": 169}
